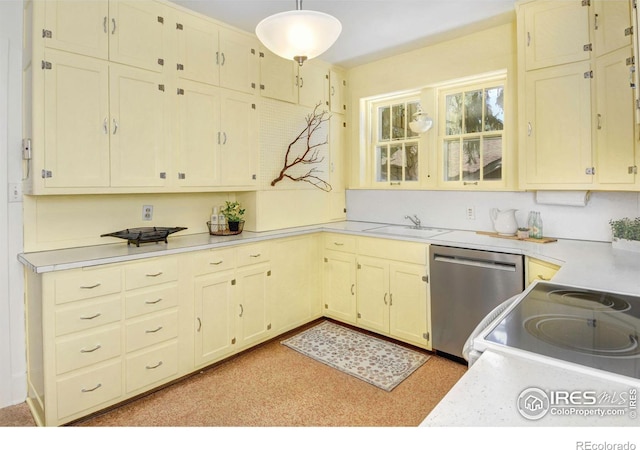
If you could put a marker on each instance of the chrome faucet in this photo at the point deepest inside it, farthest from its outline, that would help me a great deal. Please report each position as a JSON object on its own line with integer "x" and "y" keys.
{"x": 415, "y": 220}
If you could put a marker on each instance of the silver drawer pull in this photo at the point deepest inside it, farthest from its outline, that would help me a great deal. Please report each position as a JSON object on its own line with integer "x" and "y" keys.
{"x": 82, "y": 350}
{"x": 543, "y": 278}
{"x": 153, "y": 302}
{"x": 257, "y": 255}
{"x": 153, "y": 275}
{"x": 99, "y": 385}
{"x": 154, "y": 367}
{"x": 90, "y": 287}
{"x": 217, "y": 263}
{"x": 154, "y": 331}
{"x": 339, "y": 244}
{"x": 91, "y": 317}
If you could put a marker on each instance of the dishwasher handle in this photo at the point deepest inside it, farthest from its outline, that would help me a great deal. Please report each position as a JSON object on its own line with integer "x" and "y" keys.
{"x": 485, "y": 264}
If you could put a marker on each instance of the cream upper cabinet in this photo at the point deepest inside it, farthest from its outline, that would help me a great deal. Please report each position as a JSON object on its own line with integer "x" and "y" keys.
{"x": 557, "y": 120}
{"x": 337, "y": 92}
{"x": 78, "y": 27}
{"x": 612, "y": 25}
{"x": 313, "y": 85}
{"x": 238, "y": 60}
{"x": 75, "y": 116}
{"x": 555, "y": 33}
{"x": 139, "y": 127}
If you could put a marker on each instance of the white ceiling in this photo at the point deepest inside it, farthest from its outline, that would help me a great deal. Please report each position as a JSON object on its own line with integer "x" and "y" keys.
{"x": 371, "y": 29}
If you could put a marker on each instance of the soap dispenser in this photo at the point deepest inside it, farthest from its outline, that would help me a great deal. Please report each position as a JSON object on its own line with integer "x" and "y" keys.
{"x": 214, "y": 219}
{"x": 222, "y": 220}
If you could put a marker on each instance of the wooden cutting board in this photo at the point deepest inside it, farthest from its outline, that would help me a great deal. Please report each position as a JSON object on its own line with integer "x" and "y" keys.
{"x": 544, "y": 240}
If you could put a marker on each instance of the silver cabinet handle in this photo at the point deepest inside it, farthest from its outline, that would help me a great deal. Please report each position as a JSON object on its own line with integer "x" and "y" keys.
{"x": 222, "y": 134}
{"x": 333, "y": 91}
{"x": 543, "y": 278}
{"x": 528, "y": 38}
{"x": 115, "y": 126}
{"x": 241, "y": 310}
{"x": 339, "y": 244}
{"x": 91, "y": 350}
{"x": 385, "y": 298}
{"x": 353, "y": 286}
{"x": 217, "y": 263}
{"x": 153, "y": 275}
{"x": 599, "y": 126}
{"x": 105, "y": 126}
{"x": 113, "y": 21}
{"x": 154, "y": 331}
{"x": 391, "y": 299}
{"x": 104, "y": 25}
{"x": 199, "y": 324}
{"x": 91, "y": 317}
{"x": 153, "y": 302}
{"x": 154, "y": 367}
{"x": 93, "y": 286}
{"x": 224, "y": 59}
{"x": 256, "y": 255}
{"x": 99, "y": 385}
{"x": 529, "y": 129}
{"x": 301, "y": 81}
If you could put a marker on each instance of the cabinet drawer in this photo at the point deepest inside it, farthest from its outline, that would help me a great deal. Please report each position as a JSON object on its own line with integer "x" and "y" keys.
{"x": 86, "y": 349}
{"x": 540, "y": 270}
{"x": 253, "y": 254}
{"x": 88, "y": 314}
{"x": 213, "y": 261}
{"x": 150, "y": 300}
{"x": 152, "y": 330}
{"x": 89, "y": 389}
{"x": 404, "y": 251}
{"x": 152, "y": 366}
{"x": 86, "y": 283}
{"x": 150, "y": 273}
{"x": 340, "y": 242}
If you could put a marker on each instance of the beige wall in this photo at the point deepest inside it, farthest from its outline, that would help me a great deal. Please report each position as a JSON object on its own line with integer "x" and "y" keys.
{"x": 474, "y": 53}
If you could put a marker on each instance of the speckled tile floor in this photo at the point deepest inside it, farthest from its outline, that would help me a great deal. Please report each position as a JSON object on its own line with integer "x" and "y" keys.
{"x": 274, "y": 386}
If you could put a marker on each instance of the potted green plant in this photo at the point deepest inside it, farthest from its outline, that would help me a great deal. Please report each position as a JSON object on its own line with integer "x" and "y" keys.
{"x": 626, "y": 234}
{"x": 233, "y": 212}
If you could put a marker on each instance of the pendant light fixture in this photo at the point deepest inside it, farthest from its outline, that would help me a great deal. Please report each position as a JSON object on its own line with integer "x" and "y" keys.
{"x": 299, "y": 35}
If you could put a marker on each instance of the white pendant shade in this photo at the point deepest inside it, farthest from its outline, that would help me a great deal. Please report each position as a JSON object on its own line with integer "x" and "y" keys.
{"x": 299, "y": 34}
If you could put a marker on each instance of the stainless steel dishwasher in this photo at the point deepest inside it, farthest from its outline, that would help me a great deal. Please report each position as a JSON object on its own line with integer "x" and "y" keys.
{"x": 465, "y": 286}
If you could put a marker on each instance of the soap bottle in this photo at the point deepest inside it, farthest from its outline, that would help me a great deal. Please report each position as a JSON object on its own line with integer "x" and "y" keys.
{"x": 222, "y": 222}
{"x": 214, "y": 219}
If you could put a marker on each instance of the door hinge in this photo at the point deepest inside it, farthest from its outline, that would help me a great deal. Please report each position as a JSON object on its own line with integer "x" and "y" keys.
{"x": 426, "y": 335}
{"x": 233, "y": 341}
{"x": 253, "y": 106}
{"x": 630, "y": 61}
{"x": 269, "y": 327}
{"x": 633, "y": 170}
{"x": 326, "y": 306}
{"x": 47, "y": 34}
{"x": 163, "y": 175}
{"x": 628, "y": 31}
{"x": 326, "y": 260}
{"x": 261, "y": 54}
{"x": 262, "y": 87}
{"x": 161, "y": 87}
{"x": 359, "y": 266}
{"x": 46, "y": 173}
{"x": 588, "y": 74}
{"x": 46, "y": 65}
{"x": 161, "y": 20}
{"x": 233, "y": 282}
{"x": 587, "y": 47}
{"x": 359, "y": 316}
{"x": 254, "y": 177}
{"x": 253, "y": 85}
{"x": 180, "y": 91}
{"x": 268, "y": 273}
{"x": 160, "y": 61}
{"x": 179, "y": 26}
{"x": 253, "y": 51}
{"x": 590, "y": 171}
{"x": 425, "y": 278}
{"x": 180, "y": 66}
{"x": 586, "y": 2}
{"x": 182, "y": 175}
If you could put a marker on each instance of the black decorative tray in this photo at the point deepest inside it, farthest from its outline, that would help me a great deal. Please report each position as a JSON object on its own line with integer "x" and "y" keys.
{"x": 144, "y": 235}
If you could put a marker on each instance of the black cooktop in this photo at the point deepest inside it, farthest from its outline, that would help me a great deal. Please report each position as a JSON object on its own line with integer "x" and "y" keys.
{"x": 144, "y": 235}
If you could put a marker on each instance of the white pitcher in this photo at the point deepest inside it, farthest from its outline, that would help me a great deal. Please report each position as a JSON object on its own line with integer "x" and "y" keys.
{"x": 504, "y": 222}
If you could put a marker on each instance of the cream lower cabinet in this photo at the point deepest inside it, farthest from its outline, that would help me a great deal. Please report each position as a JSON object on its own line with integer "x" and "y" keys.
{"x": 393, "y": 295}
{"x": 537, "y": 269}
{"x": 339, "y": 277}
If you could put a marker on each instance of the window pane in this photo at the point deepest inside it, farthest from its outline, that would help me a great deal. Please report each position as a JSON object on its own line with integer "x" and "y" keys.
{"x": 395, "y": 163}
{"x": 411, "y": 169}
{"x": 452, "y": 160}
{"x": 492, "y": 158}
{"x": 453, "y": 105}
{"x": 398, "y": 124}
{"x": 412, "y": 108}
{"x": 384, "y": 122}
{"x": 473, "y": 111}
{"x": 381, "y": 164}
{"x": 471, "y": 159}
{"x": 494, "y": 109}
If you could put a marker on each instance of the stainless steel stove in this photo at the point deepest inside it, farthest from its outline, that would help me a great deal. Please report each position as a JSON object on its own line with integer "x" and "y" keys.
{"x": 592, "y": 328}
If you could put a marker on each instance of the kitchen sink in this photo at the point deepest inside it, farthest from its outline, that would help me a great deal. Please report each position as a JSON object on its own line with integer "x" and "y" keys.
{"x": 405, "y": 230}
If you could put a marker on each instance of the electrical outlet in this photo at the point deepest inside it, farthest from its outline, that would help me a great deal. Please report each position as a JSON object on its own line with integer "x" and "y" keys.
{"x": 15, "y": 192}
{"x": 147, "y": 212}
{"x": 471, "y": 213}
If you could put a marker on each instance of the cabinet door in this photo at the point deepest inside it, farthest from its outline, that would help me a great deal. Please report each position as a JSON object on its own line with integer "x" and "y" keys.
{"x": 78, "y": 27}
{"x": 136, "y": 34}
{"x": 558, "y": 125}
{"x": 555, "y": 33}
{"x": 138, "y": 126}
{"x": 313, "y": 85}
{"x": 612, "y": 25}
{"x": 339, "y": 286}
{"x": 373, "y": 294}
{"x": 239, "y": 140}
{"x": 615, "y": 118}
{"x": 540, "y": 270}
{"x": 278, "y": 77}
{"x": 198, "y": 134}
{"x": 253, "y": 312}
{"x": 409, "y": 303}
{"x": 214, "y": 317}
{"x": 76, "y": 115}
{"x": 198, "y": 54}
{"x": 238, "y": 61}
{"x": 337, "y": 92}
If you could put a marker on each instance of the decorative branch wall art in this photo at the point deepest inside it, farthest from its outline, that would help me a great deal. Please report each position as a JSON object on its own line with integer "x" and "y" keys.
{"x": 309, "y": 155}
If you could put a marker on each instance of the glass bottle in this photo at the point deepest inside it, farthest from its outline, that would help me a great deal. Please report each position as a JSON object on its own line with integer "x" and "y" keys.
{"x": 530, "y": 222}
{"x": 536, "y": 231}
